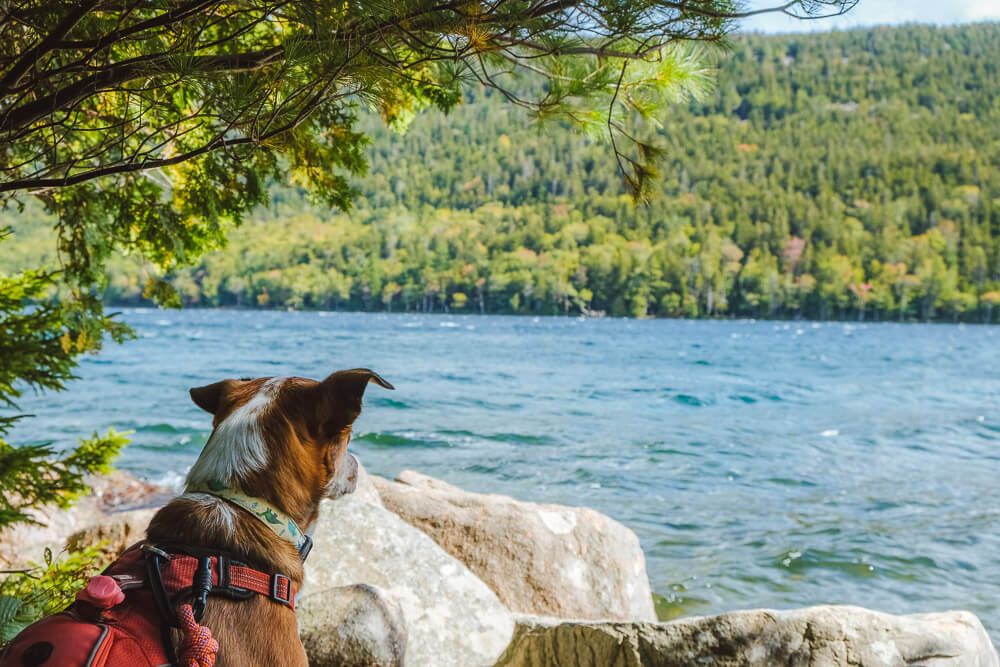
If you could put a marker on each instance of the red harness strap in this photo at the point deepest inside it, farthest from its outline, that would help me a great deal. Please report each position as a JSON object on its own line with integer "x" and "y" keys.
{"x": 179, "y": 572}
{"x": 102, "y": 630}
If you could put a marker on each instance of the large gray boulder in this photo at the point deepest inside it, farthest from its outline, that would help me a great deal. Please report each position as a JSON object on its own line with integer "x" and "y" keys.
{"x": 352, "y": 626}
{"x": 812, "y": 637}
{"x": 451, "y": 617}
{"x": 551, "y": 560}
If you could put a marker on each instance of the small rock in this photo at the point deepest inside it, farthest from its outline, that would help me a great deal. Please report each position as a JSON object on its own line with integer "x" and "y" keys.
{"x": 551, "y": 560}
{"x": 114, "y": 534}
{"x": 352, "y": 626}
{"x": 119, "y": 491}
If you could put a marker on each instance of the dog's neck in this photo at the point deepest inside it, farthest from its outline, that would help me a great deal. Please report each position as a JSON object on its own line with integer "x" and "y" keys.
{"x": 273, "y": 518}
{"x": 203, "y": 520}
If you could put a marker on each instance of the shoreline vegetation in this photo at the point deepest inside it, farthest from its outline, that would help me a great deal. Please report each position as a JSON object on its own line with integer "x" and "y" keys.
{"x": 841, "y": 176}
{"x": 146, "y": 305}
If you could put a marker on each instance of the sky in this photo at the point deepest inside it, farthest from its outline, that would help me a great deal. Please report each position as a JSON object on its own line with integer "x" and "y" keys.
{"x": 879, "y": 12}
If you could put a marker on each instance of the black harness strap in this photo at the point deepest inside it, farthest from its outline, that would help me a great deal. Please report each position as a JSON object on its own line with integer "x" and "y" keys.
{"x": 154, "y": 576}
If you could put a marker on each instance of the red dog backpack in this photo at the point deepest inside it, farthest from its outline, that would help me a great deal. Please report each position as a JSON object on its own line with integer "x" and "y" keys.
{"x": 123, "y": 617}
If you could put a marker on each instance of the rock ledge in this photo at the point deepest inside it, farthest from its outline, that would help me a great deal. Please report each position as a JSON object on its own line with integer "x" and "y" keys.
{"x": 812, "y": 637}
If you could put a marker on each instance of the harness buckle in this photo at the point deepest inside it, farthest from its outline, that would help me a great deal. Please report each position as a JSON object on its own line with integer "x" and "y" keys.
{"x": 222, "y": 566}
{"x": 305, "y": 547}
{"x": 202, "y": 586}
{"x": 276, "y": 580}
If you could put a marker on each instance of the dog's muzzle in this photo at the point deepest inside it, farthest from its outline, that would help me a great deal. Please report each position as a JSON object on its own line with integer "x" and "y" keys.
{"x": 345, "y": 478}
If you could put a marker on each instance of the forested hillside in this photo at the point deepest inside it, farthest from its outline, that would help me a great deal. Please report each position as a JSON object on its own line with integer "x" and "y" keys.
{"x": 852, "y": 174}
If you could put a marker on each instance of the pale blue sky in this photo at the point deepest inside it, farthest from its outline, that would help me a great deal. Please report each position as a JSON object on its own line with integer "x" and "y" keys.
{"x": 880, "y": 12}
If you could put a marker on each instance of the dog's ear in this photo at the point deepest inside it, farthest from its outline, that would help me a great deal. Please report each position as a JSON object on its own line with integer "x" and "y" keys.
{"x": 209, "y": 397}
{"x": 340, "y": 397}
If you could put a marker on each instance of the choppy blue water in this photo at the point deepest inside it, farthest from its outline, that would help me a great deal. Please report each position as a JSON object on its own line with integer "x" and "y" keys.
{"x": 761, "y": 463}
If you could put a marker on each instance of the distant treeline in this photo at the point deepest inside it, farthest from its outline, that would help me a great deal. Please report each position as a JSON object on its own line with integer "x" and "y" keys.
{"x": 851, "y": 174}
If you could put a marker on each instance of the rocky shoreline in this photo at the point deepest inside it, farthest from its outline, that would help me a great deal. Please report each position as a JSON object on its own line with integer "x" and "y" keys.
{"x": 415, "y": 571}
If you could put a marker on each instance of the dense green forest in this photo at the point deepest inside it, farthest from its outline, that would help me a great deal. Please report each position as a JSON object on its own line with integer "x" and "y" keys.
{"x": 851, "y": 174}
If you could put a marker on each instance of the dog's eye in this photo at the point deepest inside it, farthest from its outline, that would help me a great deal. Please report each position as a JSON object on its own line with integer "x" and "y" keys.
{"x": 245, "y": 379}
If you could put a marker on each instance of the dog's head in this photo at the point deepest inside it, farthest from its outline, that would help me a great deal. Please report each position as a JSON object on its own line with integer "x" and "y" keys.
{"x": 282, "y": 439}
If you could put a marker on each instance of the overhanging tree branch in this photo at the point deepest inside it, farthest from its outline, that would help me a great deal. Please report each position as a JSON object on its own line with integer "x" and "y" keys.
{"x": 129, "y": 71}
{"x": 30, "y": 57}
{"x": 162, "y": 77}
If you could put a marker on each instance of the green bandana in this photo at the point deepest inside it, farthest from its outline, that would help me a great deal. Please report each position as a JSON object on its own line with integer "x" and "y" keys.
{"x": 280, "y": 523}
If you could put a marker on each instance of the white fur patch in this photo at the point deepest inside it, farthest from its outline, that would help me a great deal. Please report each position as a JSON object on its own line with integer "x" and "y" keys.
{"x": 224, "y": 514}
{"x": 236, "y": 446}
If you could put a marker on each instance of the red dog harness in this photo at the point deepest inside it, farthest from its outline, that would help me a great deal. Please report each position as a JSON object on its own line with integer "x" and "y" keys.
{"x": 122, "y": 618}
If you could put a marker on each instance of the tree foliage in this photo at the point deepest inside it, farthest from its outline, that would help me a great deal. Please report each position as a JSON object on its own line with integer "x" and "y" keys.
{"x": 171, "y": 116}
{"x": 847, "y": 175}
{"x": 46, "y": 588}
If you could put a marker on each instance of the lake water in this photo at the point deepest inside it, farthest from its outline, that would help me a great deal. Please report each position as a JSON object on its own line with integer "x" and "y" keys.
{"x": 761, "y": 463}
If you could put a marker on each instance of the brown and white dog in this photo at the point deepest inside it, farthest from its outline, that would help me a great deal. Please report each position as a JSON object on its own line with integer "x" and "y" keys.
{"x": 282, "y": 441}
